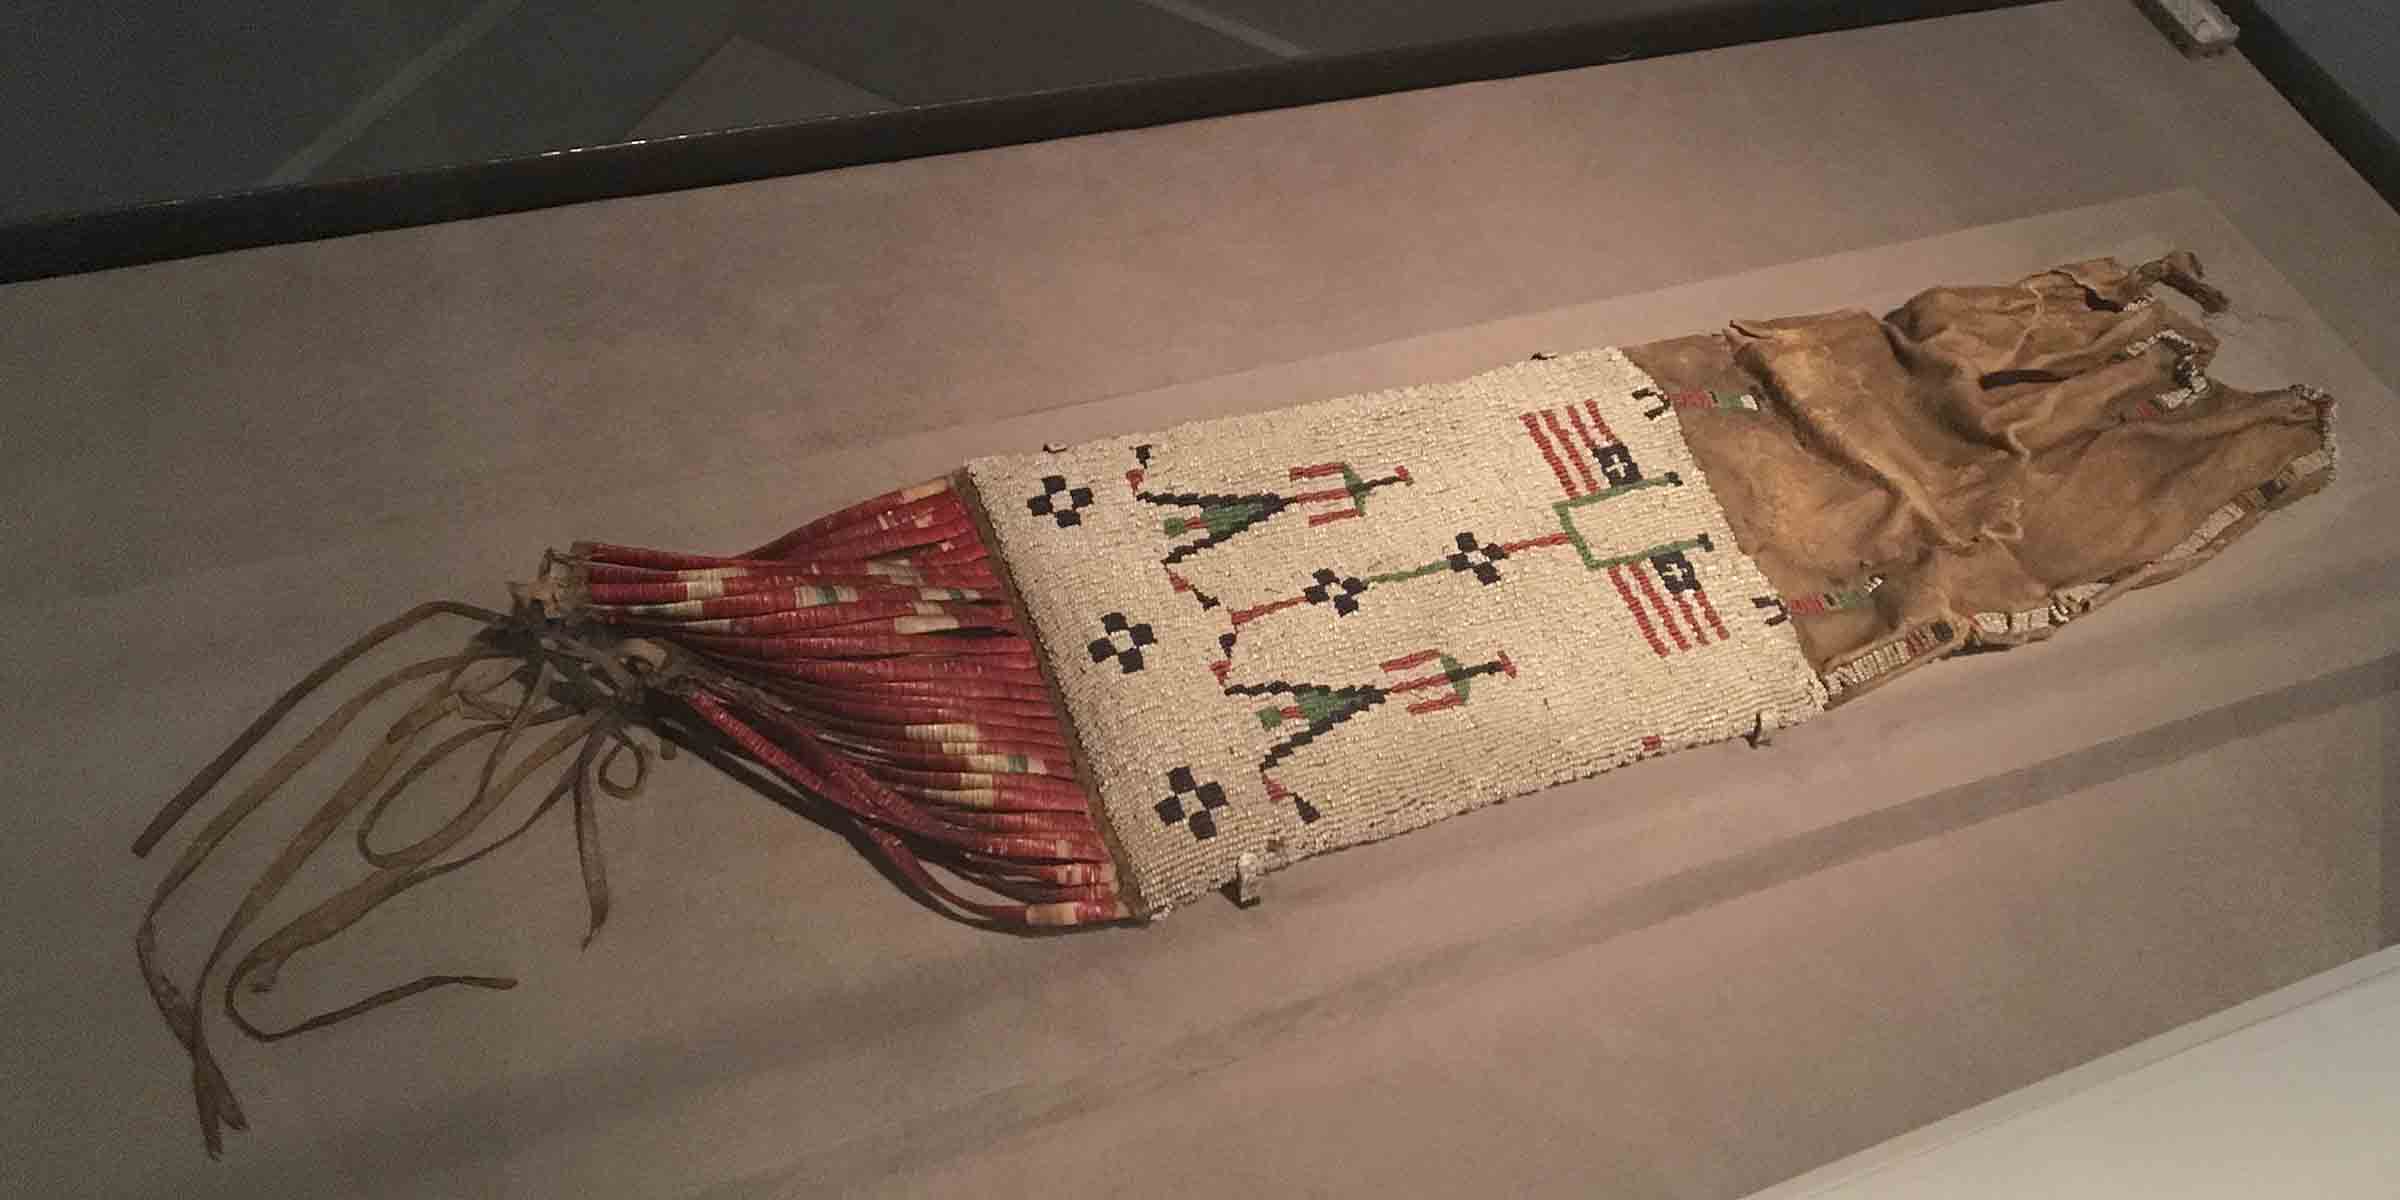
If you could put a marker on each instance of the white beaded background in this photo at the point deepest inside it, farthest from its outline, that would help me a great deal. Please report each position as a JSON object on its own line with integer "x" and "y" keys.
{"x": 1588, "y": 691}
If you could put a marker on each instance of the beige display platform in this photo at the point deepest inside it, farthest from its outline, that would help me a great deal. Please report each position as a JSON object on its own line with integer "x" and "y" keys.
{"x": 1693, "y": 977}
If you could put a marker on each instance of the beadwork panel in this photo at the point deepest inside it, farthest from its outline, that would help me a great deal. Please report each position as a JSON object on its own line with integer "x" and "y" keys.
{"x": 1285, "y": 633}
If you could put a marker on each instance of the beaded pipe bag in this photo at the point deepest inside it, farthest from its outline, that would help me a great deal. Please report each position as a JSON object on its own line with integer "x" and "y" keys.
{"x": 1090, "y": 685}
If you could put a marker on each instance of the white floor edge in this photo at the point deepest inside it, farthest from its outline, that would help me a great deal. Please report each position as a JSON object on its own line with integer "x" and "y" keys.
{"x": 2358, "y": 1001}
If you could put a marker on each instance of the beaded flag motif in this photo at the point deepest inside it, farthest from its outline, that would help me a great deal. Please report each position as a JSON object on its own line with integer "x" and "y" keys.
{"x": 1281, "y": 634}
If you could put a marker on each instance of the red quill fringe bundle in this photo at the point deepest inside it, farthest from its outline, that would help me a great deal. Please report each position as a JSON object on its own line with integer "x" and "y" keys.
{"x": 902, "y": 686}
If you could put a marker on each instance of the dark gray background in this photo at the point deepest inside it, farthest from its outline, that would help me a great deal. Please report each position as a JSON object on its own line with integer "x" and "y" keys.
{"x": 115, "y": 103}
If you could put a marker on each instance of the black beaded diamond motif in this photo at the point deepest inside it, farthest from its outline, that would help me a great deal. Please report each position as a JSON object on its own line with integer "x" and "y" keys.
{"x": 1336, "y": 589}
{"x": 1482, "y": 559}
{"x": 1123, "y": 641}
{"x": 1191, "y": 804}
{"x": 1059, "y": 502}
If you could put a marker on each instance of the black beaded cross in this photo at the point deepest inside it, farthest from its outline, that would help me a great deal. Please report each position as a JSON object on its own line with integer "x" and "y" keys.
{"x": 1200, "y": 816}
{"x": 1339, "y": 590}
{"x": 1482, "y": 559}
{"x": 1123, "y": 641}
{"x": 1059, "y": 502}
